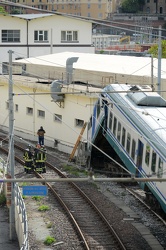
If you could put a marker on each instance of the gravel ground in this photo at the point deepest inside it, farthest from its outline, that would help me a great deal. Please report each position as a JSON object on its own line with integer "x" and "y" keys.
{"x": 112, "y": 201}
{"x": 60, "y": 228}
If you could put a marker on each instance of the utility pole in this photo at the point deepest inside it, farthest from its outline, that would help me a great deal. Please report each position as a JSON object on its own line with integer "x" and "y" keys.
{"x": 159, "y": 60}
{"x": 11, "y": 150}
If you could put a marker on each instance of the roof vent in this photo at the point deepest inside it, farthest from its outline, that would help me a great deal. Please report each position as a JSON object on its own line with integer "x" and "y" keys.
{"x": 143, "y": 96}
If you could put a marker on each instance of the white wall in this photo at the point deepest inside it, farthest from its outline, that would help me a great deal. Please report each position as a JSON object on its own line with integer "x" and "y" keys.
{"x": 54, "y": 24}
{"x": 26, "y": 126}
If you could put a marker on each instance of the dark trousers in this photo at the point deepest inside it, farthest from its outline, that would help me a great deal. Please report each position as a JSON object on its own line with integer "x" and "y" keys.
{"x": 41, "y": 140}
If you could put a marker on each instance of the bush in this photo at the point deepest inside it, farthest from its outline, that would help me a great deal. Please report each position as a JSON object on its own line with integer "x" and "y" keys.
{"x": 43, "y": 208}
{"x": 49, "y": 240}
{"x": 2, "y": 199}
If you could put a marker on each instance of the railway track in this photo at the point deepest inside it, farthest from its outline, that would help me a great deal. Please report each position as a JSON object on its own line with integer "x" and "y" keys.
{"x": 93, "y": 229}
{"x": 127, "y": 232}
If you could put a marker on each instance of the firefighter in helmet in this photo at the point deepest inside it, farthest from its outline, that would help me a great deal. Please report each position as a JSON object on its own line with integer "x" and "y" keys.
{"x": 28, "y": 160}
{"x": 39, "y": 159}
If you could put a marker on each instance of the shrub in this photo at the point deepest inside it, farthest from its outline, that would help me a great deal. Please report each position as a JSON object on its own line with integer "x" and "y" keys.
{"x": 43, "y": 208}
{"x": 49, "y": 240}
{"x": 2, "y": 199}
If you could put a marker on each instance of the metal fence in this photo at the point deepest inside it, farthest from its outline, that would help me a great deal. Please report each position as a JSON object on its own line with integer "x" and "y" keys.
{"x": 22, "y": 211}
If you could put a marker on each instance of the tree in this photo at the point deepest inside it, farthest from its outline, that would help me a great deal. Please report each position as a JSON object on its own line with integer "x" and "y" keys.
{"x": 154, "y": 49}
{"x": 132, "y": 6}
{"x": 2, "y": 10}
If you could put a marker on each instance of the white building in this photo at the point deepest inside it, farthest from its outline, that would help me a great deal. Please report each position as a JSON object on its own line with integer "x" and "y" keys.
{"x": 33, "y": 105}
{"x": 103, "y": 41}
{"x": 62, "y": 121}
{"x": 34, "y": 35}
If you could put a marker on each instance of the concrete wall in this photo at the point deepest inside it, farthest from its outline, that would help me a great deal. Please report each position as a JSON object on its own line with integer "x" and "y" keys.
{"x": 66, "y": 132}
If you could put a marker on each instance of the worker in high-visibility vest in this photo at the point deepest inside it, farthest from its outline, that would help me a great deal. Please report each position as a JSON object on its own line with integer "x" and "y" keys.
{"x": 28, "y": 160}
{"x": 39, "y": 159}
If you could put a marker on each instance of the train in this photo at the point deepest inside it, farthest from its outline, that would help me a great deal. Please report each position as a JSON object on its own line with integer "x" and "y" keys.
{"x": 128, "y": 124}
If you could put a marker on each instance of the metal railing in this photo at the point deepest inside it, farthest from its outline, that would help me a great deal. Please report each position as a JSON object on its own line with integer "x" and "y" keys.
{"x": 22, "y": 211}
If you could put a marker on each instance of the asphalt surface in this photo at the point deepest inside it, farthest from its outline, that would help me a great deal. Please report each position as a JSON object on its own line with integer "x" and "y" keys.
{"x": 5, "y": 242}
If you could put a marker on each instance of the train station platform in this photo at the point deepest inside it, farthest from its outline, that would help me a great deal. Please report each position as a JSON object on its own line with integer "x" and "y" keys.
{"x": 5, "y": 242}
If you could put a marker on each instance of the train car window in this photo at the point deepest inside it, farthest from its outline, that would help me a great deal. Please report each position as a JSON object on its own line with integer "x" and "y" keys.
{"x": 147, "y": 154}
{"x": 90, "y": 123}
{"x": 98, "y": 108}
{"x": 128, "y": 142}
{"x": 160, "y": 168}
{"x": 153, "y": 163}
{"x": 133, "y": 149}
{"x": 110, "y": 121}
{"x": 115, "y": 126}
{"x": 119, "y": 131}
{"x": 123, "y": 136}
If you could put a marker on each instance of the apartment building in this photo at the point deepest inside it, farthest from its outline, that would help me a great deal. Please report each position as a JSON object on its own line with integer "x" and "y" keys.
{"x": 99, "y": 9}
{"x": 155, "y": 7}
{"x": 32, "y": 35}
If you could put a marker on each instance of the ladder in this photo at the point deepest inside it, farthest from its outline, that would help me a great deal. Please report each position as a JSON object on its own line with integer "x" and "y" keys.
{"x": 77, "y": 142}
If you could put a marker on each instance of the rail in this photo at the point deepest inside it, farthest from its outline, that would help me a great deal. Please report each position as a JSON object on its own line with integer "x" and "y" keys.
{"x": 21, "y": 219}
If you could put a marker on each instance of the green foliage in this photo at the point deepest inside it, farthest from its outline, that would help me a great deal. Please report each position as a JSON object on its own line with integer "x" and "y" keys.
{"x": 16, "y": 11}
{"x": 37, "y": 198}
{"x": 132, "y": 6}
{"x": 2, "y": 199}
{"x": 49, "y": 240}
{"x": 43, "y": 208}
{"x": 74, "y": 171}
{"x": 23, "y": 184}
{"x": 154, "y": 49}
{"x": 2, "y": 10}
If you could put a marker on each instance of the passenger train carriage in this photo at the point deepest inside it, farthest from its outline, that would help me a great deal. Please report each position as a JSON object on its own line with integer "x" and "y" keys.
{"x": 133, "y": 122}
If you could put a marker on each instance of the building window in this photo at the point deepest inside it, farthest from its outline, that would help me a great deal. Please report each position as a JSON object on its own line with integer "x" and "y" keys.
{"x": 10, "y": 36}
{"x": 57, "y": 118}
{"x": 29, "y": 111}
{"x": 79, "y": 123}
{"x": 41, "y": 113}
{"x": 69, "y": 36}
{"x": 88, "y": 5}
{"x": 16, "y": 107}
{"x": 40, "y": 35}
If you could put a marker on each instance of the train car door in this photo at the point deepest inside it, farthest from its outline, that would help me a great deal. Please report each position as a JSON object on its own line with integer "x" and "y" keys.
{"x": 139, "y": 157}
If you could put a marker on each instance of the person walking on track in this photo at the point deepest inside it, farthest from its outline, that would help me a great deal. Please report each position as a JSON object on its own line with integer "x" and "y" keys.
{"x": 40, "y": 134}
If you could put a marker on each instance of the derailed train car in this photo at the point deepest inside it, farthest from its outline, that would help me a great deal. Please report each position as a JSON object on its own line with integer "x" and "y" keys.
{"x": 133, "y": 122}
